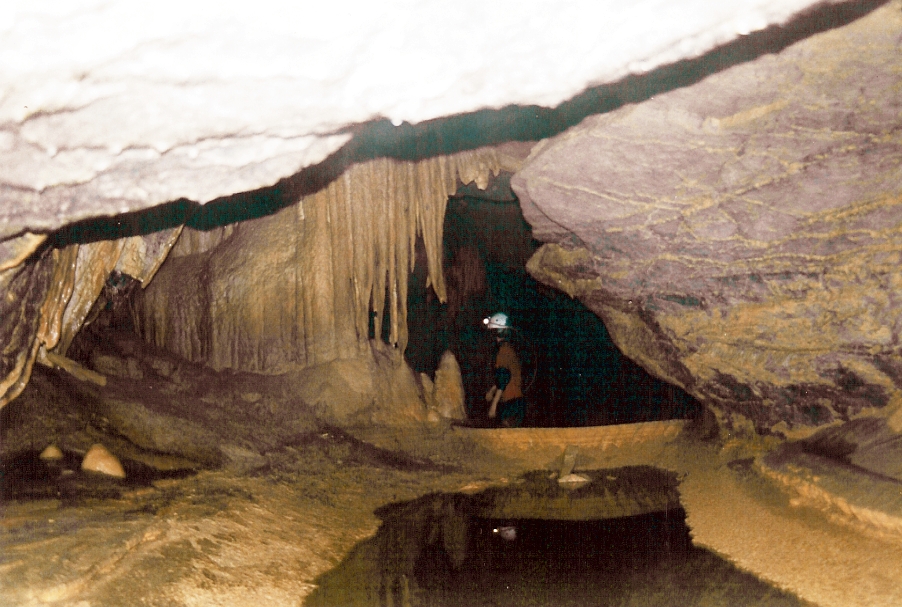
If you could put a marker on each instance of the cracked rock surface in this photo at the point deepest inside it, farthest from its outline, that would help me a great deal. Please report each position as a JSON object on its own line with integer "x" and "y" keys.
{"x": 742, "y": 237}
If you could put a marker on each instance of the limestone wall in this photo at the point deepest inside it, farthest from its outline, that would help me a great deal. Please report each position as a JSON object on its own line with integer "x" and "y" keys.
{"x": 742, "y": 237}
{"x": 297, "y": 288}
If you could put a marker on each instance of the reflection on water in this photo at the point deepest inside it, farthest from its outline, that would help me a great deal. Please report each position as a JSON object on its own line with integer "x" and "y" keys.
{"x": 440, "y": 551}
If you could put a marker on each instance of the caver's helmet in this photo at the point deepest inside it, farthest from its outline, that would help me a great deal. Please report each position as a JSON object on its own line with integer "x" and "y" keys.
{"x": 497, "y": 322}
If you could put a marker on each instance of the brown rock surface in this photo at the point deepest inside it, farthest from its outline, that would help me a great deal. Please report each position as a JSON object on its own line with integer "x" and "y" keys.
{"x": 35, "y": 295}
{"x": 742, "y": 237}
{"x": 300, "y": 287}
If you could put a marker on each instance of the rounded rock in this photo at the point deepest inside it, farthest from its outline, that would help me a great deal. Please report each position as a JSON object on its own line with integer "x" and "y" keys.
{"x": 51, "y": 453}
{"x": 99, "y": 460}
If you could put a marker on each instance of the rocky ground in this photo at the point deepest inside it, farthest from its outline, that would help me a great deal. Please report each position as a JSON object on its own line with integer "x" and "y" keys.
{"x": 236, "y": 493}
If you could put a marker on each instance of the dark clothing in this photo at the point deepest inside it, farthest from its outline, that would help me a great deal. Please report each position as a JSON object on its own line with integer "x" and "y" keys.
{"x": 512, "y": 413}
{"x": 508, "y": 378}
{"x": 502, "y": 377}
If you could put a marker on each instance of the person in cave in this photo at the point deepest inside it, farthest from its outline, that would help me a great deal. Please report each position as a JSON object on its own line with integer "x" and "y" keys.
{"x": 508, "y": 403}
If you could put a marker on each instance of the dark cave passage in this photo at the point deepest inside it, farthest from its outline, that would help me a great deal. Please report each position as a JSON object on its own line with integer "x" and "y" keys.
{"x": 574, "y": 375}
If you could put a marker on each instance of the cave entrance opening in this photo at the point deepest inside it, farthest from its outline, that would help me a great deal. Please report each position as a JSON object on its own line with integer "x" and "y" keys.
{"x": 619, "y": 539}
{"x": 574, "y": 375}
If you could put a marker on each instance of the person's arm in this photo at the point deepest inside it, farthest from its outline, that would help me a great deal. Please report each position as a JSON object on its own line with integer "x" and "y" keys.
{"x": 493, "y": 410}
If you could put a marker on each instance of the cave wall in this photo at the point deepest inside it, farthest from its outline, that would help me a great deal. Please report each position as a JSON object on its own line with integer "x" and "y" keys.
{"x": 49, "y": 295}
{"x": 742, "y": 237}
{"x": 297, "y": 288}
{"x": 110, "y": 108}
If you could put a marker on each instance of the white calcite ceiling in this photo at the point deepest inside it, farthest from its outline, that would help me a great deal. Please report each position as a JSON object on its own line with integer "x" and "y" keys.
{"x": 110, "y": 106}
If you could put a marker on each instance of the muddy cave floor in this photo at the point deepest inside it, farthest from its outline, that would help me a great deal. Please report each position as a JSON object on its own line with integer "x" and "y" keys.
{"x": 236, "y": 494}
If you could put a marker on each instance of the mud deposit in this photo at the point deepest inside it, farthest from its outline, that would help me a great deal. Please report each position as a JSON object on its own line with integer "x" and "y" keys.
{"x": 237, "y": 493}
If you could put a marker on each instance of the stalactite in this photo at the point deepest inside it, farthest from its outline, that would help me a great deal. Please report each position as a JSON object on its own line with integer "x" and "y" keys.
{"x": 314, "y": 273}
{"x": 352, "y": 247}
{"x": 376, "y": 210}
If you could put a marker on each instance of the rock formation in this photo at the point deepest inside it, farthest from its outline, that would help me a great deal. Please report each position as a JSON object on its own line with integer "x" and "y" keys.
{"x": 301, "y": 287}
{"x": 742, "y": 237}
{"x": 730, "y": 206}
{"x": 448, "y": 393}
{"x": 99, "y": 460}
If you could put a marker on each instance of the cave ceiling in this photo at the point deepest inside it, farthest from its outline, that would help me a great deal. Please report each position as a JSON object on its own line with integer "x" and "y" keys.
{"x": 112, "y": 107}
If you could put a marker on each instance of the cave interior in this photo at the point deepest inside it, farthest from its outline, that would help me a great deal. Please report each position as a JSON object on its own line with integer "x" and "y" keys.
{"x": 271, "y": 387}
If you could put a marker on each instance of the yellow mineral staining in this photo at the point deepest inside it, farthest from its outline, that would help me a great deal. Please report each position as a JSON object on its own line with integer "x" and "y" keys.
{"x": 757, "y": 341}
{"x": 543, "y": 264}
{"x": 746, "y": 116}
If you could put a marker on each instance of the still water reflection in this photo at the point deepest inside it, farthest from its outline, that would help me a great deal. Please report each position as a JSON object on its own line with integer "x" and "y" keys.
{"x": 440, "y": 550}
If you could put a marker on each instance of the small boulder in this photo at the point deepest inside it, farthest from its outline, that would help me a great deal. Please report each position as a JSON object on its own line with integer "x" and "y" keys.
{"x": 51, "y": 453}
{"x": 241, "y": 459}
{"x": 98, "y": 459}
{"x": 572, "y": 481}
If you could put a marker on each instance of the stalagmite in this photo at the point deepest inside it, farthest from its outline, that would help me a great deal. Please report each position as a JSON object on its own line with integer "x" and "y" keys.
{"x": 449, "y": 388}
